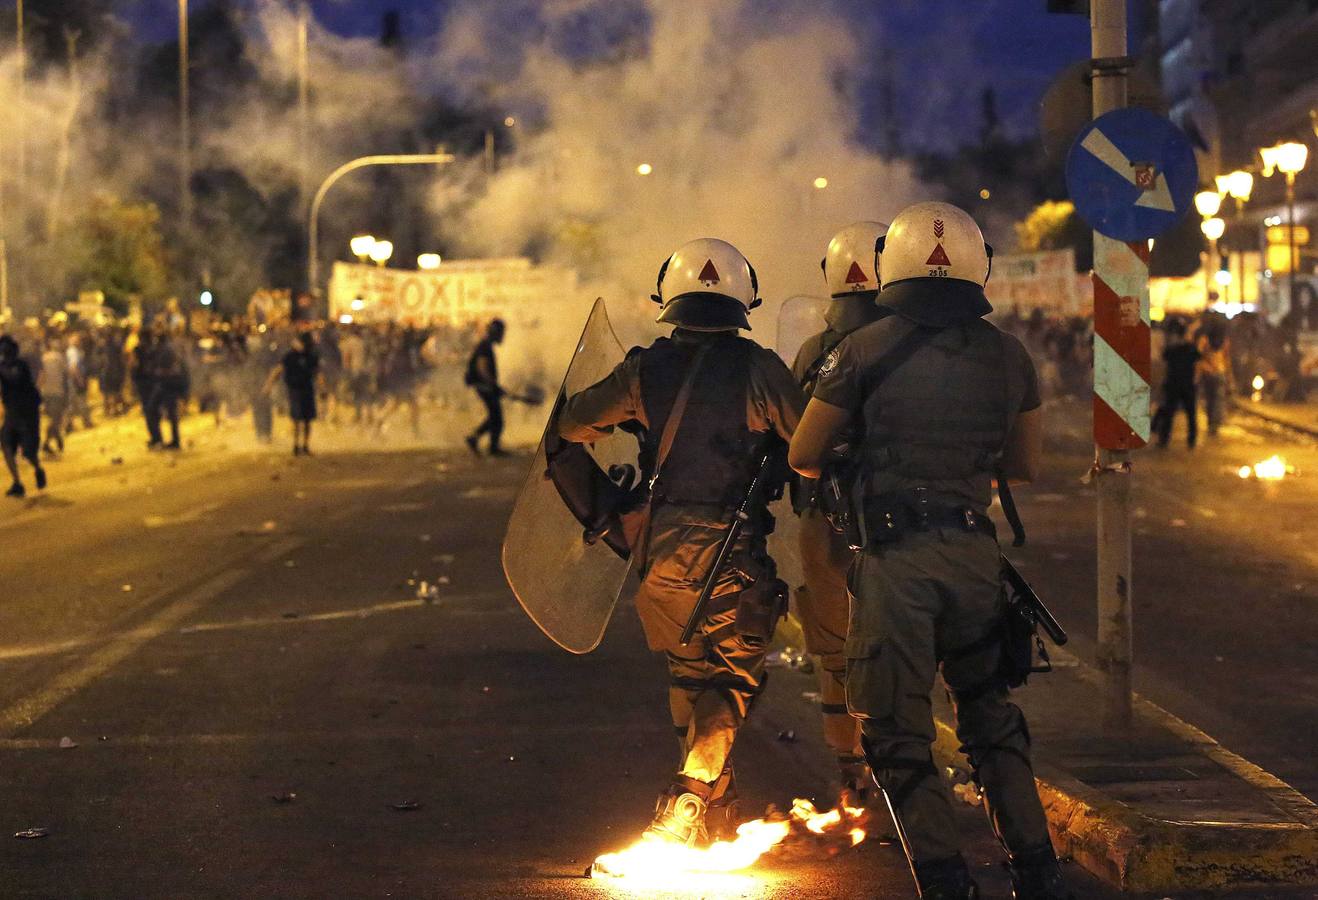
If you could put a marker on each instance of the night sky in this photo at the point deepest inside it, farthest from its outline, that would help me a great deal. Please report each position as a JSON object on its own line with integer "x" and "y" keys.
{"x": 1011, "y": 44}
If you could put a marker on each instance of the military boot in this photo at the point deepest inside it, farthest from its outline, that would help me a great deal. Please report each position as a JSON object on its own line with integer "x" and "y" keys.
{"x": 679, "y": 815}
{"x": 1036, "y": 875}
{"x": 858, "y": 787}
{"x": 724, "y": 813}
{"x": 945, "y": 879}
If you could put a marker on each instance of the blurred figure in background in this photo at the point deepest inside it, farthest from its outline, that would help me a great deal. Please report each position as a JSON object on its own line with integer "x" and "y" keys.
{"x": 21, "y": 431}
{"x": 1178, "y": 387}
{"x": 300, "y": 369}
{"x": 53, "y": 383}
{"x": 1214, "y": 368}
{"x": 483, "y": 377}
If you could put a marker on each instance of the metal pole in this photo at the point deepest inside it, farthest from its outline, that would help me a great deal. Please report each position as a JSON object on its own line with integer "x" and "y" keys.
{"x": 313, "y": 217}
{"x": 22, "y": 96}
{"x": 1290, "y": 220}
{"x": 184, "y": 121}
{"x": 1108, "y": 41}
{"x": 303, "y": 105}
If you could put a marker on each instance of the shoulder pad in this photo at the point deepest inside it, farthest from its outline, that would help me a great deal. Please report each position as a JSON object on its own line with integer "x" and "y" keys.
{"x": 635, "y": 351}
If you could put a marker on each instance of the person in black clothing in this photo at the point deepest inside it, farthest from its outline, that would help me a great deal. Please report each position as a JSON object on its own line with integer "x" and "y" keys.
{"x": 1178, "y": 388}
{"x": 300, "y": 369}
{"x": 169, "y": 388}
{"x": 21, "y": 430}
{"x": 483, "y": 377}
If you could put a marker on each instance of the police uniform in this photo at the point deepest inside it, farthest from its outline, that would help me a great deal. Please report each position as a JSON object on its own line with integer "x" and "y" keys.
{"x": 729, "y": 397}
{"x": 938, "y": 390}
{"x": 821, "y": 603}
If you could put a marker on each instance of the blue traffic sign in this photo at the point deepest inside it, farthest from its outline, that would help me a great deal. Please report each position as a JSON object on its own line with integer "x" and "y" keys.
{"x": 1131, "y": 174}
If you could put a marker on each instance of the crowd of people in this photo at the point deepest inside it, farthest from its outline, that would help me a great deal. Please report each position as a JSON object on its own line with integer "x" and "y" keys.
{"x": 82, "y": 372}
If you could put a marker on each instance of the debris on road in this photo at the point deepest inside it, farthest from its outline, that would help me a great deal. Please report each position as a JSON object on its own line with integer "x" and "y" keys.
{"x": 787, "y": 737}
{"x": 127, "y": 588}
{"x": 286, "y": 797}
{"x": 31, "y": 833}
{"x": 67, "y": 743}
{"x": 427, "y": 592}
{"x": 405, "y": 805}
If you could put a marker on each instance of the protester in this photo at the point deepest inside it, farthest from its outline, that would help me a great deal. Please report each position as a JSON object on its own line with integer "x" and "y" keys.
{"x": 300, "y": 369}
{"x": 21, "y": 431}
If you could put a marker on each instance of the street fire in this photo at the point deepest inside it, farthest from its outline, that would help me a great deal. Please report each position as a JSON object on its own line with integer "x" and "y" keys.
{"x": 656, "y": 860}
{"x": 1274, "y": 468}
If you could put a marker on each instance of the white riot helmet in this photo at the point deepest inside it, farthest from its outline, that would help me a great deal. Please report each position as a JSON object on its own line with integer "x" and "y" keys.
{"x": 707, "y": 285}
{"x": 851, "y": 263}
{"x": 935, "y": 264}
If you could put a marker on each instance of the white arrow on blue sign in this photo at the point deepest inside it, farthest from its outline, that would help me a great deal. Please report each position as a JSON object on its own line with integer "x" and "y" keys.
{"x": 1131, "y": 174}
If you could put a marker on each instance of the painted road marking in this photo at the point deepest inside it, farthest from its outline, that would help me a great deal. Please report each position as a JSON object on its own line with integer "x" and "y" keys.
{"x": 26, "y": 710}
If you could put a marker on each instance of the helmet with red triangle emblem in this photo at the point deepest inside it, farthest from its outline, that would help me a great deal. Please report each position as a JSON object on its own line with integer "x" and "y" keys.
{"x": 707, "y": 285}
{"x": 935, "y": 265}
{"x": 851, "y": 264}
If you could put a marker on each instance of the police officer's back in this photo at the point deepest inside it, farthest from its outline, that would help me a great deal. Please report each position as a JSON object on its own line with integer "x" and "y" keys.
{"x": 949, "y": 404}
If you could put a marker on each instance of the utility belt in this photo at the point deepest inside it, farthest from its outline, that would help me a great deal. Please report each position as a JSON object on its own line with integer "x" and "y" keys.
{"x": 887, "y": 518}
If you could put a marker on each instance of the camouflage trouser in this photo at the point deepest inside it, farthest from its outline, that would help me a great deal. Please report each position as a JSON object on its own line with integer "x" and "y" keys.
{"x": 822, "y": 605}
{"x": 916, "y": 602}
{"x": 714, "y": 679}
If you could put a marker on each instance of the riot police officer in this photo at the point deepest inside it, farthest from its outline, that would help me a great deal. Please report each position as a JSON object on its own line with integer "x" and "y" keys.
{"x": 703, "y": 401}
{"x": 949, "y": 405}
{"x": 850, "y": 268}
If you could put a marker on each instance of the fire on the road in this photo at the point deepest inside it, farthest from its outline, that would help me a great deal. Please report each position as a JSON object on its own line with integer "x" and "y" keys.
{"x": 655, "y": 860}
{"x": 1274, "y": 468}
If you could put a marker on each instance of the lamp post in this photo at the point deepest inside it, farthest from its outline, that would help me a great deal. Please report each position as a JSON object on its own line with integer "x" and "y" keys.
{"x": 1239, "y": 185}
{"x": 1288, "y": 159}
{"x": 1207, "y": 204}
{"x": 313, "y": 223}
{"x": 1213, "y": 229}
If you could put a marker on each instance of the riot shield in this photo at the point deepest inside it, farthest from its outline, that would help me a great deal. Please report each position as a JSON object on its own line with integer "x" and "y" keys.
{"x": 798, "y": 318}
{"x": 564, "y": 572}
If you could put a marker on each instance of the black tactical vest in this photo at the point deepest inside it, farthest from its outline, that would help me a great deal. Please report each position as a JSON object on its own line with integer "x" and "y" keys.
{"x": 710, "y": 457}
{"x": 941, "y": 419}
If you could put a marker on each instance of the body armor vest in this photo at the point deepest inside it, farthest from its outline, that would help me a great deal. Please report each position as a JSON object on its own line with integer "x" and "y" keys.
{"x": 709, "y": 459}
{"x": 940, "y": 420}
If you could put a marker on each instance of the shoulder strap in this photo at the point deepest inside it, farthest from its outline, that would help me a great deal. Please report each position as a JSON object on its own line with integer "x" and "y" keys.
{"x": 1005, "y": 497}
{"x": 901, "y": 350}
{"x": 676, "y": 413}
{"x": 827, "y": 345}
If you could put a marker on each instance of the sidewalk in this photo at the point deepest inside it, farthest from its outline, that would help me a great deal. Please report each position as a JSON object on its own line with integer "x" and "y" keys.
{"x": 1301, "y": 417}
{"x": 1168, "y": 809}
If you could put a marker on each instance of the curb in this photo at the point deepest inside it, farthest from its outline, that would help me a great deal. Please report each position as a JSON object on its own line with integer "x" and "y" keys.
{"x": 1135, "y": 852}
{"x": 1248, "y": 410}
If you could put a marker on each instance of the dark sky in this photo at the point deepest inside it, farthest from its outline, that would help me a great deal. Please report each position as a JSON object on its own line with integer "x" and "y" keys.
{"x": 942, "y": 52}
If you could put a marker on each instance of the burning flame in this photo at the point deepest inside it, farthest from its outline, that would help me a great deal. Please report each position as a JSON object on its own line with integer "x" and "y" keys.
{"x": 656, "y": 860}
{"x": 1274, "y": 468}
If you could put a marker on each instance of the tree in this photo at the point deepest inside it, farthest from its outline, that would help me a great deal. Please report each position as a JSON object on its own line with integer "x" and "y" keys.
{"x": 1054, "y": 225}
{"x": 117, "y": 248}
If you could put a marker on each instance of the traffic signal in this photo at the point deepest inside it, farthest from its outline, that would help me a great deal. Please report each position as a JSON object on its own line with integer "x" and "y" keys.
{"x": 1069, "y": 7}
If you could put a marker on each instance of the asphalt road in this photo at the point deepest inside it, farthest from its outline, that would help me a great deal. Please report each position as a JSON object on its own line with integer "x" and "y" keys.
{"x": 234, "y": 643}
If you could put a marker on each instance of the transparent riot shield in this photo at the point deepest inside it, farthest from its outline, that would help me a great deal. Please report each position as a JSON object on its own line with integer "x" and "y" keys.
{"x": 569, "y": 584}
{"x": 798, "y": 318}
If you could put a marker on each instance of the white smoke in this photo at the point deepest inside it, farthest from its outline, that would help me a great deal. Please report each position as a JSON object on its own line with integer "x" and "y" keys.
{"x": 737, "y": 105}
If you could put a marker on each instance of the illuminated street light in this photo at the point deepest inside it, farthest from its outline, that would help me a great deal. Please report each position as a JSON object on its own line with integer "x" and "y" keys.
{"x": 358, "y": 304}
{"x": 1289, "y": 159}
{"x": 644, "y": 169}
{"x": 428, "y": 261}
{"x": 820, "y": 183}
{"x": 1213, "y": 228}
{"x": 361, "y": 246}
{"x": 206, "y": 298}
{"x": 985, "y": 193}
{"x": 1223, "y": 277}
{"x": 509, "y": 121}
{"x": 1238, "y": 184}
{"x": 381, "y": 251}
{"x": 1207, "y": 203}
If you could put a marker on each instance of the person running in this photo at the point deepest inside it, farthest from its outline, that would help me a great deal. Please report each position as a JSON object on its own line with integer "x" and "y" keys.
{"x": 21, "y": 431}
{"x": 54, "y": 386}
{"x": 300, "y": 369}
{"x": 483, "y": 377}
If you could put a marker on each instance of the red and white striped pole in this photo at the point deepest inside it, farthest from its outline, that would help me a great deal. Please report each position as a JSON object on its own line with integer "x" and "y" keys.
{"x": 1121, "y": 391}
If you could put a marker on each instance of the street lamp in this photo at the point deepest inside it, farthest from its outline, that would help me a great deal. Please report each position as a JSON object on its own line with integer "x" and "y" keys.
{"x": 381, "y": 251}
{"x": 644, "y": 169}
{"x": 1213, "y": 229}
{"x": 1289, "y": 159}
{"x": 428, "y": 261}
{"x": 1238, "y": 185}
{"x": 820, "y": 183}
{"x": 1207, "y": 203}
{"x": 361, "y": 247}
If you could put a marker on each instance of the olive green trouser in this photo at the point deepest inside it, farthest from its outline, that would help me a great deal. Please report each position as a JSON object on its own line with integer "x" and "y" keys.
{"x": 714, "y": 679}
{"x": 822, "y": 605}
{"x": 916, "y": 602}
